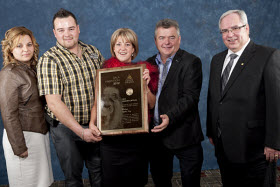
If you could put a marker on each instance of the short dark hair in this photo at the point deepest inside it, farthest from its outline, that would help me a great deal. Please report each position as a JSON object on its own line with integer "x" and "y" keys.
{"x": 62, "y": 13}
{"x": 167, "y": 23}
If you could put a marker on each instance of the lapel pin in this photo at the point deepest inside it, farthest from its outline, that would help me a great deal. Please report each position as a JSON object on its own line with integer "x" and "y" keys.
{"x": 242, "y": 64}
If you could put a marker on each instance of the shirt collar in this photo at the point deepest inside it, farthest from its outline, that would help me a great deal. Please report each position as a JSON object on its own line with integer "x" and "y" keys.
{"x": 82, "y": 45}
{"x": 159, "y": 61}
{"x": 239, "y": 53}
{"x": 25, "y": 66}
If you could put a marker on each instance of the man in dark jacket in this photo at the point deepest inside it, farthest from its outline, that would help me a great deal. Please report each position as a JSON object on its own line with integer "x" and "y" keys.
{"x": 243, "y": 105}
{"x": 176, "y": 128}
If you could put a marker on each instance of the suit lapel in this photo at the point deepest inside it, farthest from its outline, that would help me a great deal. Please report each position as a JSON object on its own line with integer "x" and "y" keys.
{"x": 240, "y": 65}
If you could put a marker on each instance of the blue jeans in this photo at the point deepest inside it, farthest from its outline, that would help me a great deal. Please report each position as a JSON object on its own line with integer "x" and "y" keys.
{"x": 72, "y": 152}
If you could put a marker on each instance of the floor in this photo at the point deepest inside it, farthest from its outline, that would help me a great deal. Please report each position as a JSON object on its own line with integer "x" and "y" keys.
{"x": 209, "y": 178}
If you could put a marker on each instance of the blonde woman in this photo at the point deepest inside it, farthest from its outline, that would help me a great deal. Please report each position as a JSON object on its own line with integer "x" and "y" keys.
{"x": 25, "y": 137}
{"x": 124, "y": 157}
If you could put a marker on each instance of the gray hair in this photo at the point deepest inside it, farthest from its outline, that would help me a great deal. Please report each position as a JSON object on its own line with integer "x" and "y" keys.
{"x": 241, "y": 13}
{"x": 167, "y": 23}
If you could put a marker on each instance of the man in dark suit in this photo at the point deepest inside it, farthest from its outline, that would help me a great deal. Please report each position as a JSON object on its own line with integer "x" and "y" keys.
{"x": 176, "y": 128}
{"x": 243, "y": 112}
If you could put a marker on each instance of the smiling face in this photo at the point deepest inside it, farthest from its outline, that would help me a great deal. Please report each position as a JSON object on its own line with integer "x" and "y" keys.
{"x": 24, "y": 49}
{"x": 234, "y": 41}
{"x": 167, "y": 42}
{"x": 123, "y": 50}
{"x": 67, "y": 32}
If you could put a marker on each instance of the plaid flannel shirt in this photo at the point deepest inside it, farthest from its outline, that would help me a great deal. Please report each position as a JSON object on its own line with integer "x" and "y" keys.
{"x": 61, "y": 72}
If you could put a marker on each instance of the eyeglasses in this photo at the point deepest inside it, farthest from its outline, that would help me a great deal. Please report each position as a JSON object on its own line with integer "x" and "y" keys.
{"x": 234, "y": 30}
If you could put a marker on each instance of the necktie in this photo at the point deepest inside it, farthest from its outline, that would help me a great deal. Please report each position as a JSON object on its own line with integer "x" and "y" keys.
{"x": 161, "y": 81}
{"x": 226, "y": 72}
{"x": 164, "y": 72}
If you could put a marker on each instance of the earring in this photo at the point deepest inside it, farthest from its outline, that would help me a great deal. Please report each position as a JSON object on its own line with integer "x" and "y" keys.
{"x": 132, "y": 54}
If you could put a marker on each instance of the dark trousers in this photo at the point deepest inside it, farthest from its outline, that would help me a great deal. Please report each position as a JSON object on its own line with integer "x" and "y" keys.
{"x": 72, "y": 151}
{"x": 161, "y": 164}
{"x": 257, "y": 173}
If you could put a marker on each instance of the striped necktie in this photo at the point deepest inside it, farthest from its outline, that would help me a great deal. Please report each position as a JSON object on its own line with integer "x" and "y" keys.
{"x": 225, "y": 75}
{"x": 164, "y": 72}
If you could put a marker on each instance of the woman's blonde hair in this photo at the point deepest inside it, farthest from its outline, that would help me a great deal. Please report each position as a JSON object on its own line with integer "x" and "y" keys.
{"x": 11, "y": 41}
{"x": 128, "y": 35}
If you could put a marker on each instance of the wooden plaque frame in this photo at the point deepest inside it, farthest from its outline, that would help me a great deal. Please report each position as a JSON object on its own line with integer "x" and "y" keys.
{"x": 122, "y": 103}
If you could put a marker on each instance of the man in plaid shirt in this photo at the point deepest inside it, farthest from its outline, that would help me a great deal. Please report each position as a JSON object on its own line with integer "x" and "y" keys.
{"x": 66, "y": 75}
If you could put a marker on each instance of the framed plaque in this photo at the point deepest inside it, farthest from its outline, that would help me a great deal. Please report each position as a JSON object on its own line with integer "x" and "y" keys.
{"x": 122, "y": 105}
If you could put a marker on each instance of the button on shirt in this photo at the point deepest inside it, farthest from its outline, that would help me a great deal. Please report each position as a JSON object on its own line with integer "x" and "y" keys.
{"x": 160, "y": 84}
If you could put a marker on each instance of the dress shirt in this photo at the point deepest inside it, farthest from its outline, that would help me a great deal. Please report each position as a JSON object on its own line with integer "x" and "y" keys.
{"x": 160, "y": 66}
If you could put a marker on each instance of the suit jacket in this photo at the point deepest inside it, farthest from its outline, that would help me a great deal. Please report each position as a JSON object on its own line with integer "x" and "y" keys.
{"x": 248, "y": 111}
{"x": 179, "y": 100}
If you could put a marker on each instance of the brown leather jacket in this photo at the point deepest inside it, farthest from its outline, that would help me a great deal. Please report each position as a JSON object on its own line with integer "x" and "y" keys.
{"x": 20, "y": 104}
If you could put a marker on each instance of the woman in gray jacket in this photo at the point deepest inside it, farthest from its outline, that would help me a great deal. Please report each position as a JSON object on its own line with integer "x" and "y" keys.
{"x": 25, "y": 137}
